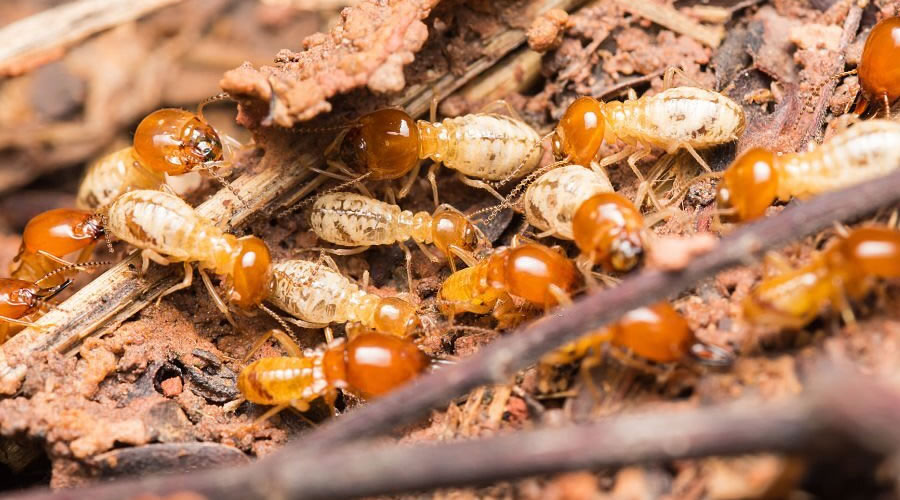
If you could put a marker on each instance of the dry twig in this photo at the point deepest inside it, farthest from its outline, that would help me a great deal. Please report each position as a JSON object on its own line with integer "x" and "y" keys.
{"x": 671, "y": 18}
{"x": 43, "y": 37}
{"x": 840, "y": 404}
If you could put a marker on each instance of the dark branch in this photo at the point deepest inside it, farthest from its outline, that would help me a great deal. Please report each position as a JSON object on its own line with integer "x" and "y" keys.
{"x": 839, "y": 405}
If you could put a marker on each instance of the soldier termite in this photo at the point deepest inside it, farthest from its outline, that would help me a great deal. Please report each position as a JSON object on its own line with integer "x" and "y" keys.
{"x": 167, "y": 230}
{"x": 167, "y": 141}
{"x": 758, "y": 177}
{"x": 369, "y": 364}
{"x": 21, "y": 303}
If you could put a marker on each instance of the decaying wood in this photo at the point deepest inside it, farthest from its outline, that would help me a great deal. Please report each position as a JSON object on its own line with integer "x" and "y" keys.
{"x": 671, "y": 18}
{"x": 841, "y": 406}
{"x": 44, "y": 37}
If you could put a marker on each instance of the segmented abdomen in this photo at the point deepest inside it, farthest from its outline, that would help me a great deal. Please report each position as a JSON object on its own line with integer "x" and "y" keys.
{"x": 681, "y": 115}
{"x": 865, "y": 151}
{"x": 314, "y": 292}
{"x": 462, "y": 291}
{"x": 159, "y": 221}
{"x": 552, "y": 200}
{"x": 116, "y": 173}
{"x": 354, "y": 220}
{"x": 279, "y": 380}
{"x": 486, "y": 146}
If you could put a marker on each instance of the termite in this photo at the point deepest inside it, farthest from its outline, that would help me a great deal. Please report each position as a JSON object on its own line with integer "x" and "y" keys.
{"x": 758, "y": 177}
{"x": 21, "y": 303}
{"x": 389, "y": 144}
{"x": 167, "y": 230}
{"x": 370, "y": 365}
{"x": 576, "y": 203}
{"x": 532, "y": 272}
{"x": 687, "y": 118}
{"x": 317, "y": 295}
{"x": 656, "y": 333}
{"x": 358, "y": 221}
{"x": 167, "y": 141}
{"x": 51, "y": 236}
{"x": 879, "y": 77}
{"x": 847, "y": 270}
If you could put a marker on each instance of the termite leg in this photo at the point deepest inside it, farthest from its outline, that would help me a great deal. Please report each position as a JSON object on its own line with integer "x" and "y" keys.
{"x": 463, "y": 255}
{"x": 562, "y": 298}
{"x": 887, "y": 106}
{"x": 672, "y": 72}
{"x": 329, "y": 335}
{"x": 306, "y": 324}
{"x": 432, "y": 178}
{"x": 330, "y": 262}
{"x": 60, "y": 261}
{"x": 220, "y": 304}
{"x": 340, "y": 251}
{"x": 631, "y": 94}
{"x": 690, "y": 149}
{"x": 185, "y": 283}
{"x": 609, "y": 160}
{"x": 147, "y": 255}
{"x": 410, "y": 180}
{"x": 296, "y": 407}
{"x": 501, "y": 103}
{"x": 584, "y": 372}
{"x": 23, "y": 323}
{"x": 408, "y": 256}
{"x": 475, "y": 183}
{"x": 585, "y": 264}
{"x": 256, "y": 345}
{"x": 275, "y": 410}
{"x": 334, "y": 144}
{"x": 432, "y": 257}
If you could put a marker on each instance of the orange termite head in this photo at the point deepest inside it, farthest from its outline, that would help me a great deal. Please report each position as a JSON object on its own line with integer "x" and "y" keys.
{"x": 869, "y": 251}
{"x": 395, "y": 316}
{"x": 451, "y": 228}
{"x": 373, "y": 364}
{"x": 657, "y": 333}
{"x": 580, "y": 131}
{"x": 176, "y": 141}
{"x": 879, "y": 74}
{"x": 19, "y": 298}
{"x": 250, "y": 275}
{"x": 528, "y": 271}
{"x": 750, "y": 184}
{"x": 608, "y": 227}
{"x": 62, "y": 231}
{"x": 384, "y": 142}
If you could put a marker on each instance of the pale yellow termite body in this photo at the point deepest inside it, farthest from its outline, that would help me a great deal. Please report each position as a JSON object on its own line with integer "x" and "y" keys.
{"x": 675, "y": 118}
{"x": 551, "y": 200}
{"x": 318, "y": 295}
{"x": 110, "y": 176}
{"x": 482, "y": 145}
{"x": 354, "y": 220}
{"x": 864, "y": 151}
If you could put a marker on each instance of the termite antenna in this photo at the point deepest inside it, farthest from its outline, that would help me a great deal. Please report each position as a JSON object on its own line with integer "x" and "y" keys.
{"x": 539, "y": 145}
{"x": 209, "y": 168}
{"x": 48, "y": 293}
{"x": 521, "y": 186}
{"x": 305, "y": 203}
{"x": 684, "y": 189}
{"x": 80, "y": 267}
{"x": 101, "y": 213}
{"x": 277, "y": 318}
{"x": 221, "y": 96}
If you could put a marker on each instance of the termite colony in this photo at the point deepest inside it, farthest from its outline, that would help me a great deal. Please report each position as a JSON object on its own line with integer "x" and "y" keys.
{"x": 585, "y": 228}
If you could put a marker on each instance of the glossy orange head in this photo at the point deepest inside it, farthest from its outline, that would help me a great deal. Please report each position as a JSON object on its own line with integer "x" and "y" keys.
{"x": 395, "y": 316}
{"x": 450, "y": 228}
{"x": 872, "y": 251}
{"x": 580, "y": 132}
{"x": 385, "y": 143}
{"x": 750, "y": 184}
{"x": 251, "y": 272}
{"x": 62, "y": 231}
{"x": 657, "y": 333}
{"x": 608, "y": 227}
{"x": 19, "y": 298}
{"x": 176, "y": 141}
{"x": 879, "y": 73}
{"x": 529, "y": 271}
{"x": 376, "y": 363}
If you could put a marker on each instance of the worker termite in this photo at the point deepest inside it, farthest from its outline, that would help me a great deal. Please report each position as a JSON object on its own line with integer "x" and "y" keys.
{"x": 51, "y": 236}
{"x": 167, "y": 229}
{"x": 687, "y": 118}
{"x": 167, "y": 141}
{"x": 576, "y": 203}
{"x": 22, "y": 302}
{"x": 844, "y": 271}
{"x": 656, "y": 333}
{"x": 758, "y": 177}
{"x": 531, "y": 272}
{"x": 370, "y": 365}
{"x": 317, "y": 295}
{"x": 389, "y": 144}
{"x": 354, "y": 220}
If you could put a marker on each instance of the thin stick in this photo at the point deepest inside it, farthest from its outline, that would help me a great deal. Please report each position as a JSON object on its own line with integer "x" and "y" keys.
{"x": 671, "y": 18}
{"x": 840, "y": 404}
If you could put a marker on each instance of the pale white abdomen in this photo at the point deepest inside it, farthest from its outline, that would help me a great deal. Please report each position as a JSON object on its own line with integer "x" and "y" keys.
{"x": 316, "y": 293}
{"x": 161, "y": 222}
{"x": 110, "y": 176}
{"x": 355, "y": 220}
{"x": 552, "y": 200}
